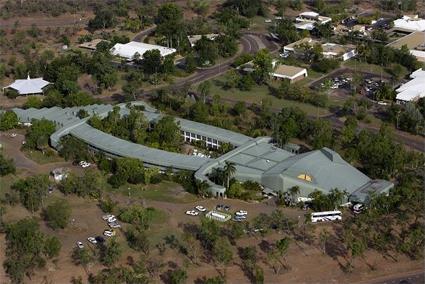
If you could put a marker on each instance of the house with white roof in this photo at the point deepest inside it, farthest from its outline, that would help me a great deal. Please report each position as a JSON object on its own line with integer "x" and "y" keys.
{"x": 412, "y": 90}
{"x": 28, "y": 86}
{"x": 306, "y": 20}
{"x": 410, "y": 23}
{"x": 133, "y": 49}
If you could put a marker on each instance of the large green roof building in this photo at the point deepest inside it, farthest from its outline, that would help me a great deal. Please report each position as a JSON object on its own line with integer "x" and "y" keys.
{"x": 255, "y": 159}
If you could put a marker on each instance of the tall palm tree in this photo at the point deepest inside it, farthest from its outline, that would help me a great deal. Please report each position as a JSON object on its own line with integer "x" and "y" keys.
{"x": 202, "y": 188}
{"x": 294, "y": 191}
{"x": 229, "y": 171}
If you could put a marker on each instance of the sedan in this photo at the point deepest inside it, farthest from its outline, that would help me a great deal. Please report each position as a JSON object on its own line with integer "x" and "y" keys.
{"x": 92, "y": 240}
{"x": 114, "y": 225}
{"x": 100, "y": 239}
{"x": 80, "y": 245}
{"x": 107, "y": 216}
{"x": 192, "y": 213}
{"x": 201, "y": 208}
{"x": 112, "y": 219}
{"x": 109, "y": 233}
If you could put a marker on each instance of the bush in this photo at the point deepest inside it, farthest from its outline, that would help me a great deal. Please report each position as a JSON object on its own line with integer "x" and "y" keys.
{"x": 57, "y": 214}
{"x": 325, "y": 65}
{"x": 11, "y": 94}
{"x": 6, "y": 166}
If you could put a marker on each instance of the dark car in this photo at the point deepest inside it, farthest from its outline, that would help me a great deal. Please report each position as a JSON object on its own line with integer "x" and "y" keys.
{"x": 100, "y": 239}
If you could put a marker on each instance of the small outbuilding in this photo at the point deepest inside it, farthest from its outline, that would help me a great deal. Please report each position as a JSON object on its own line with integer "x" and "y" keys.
{"x": 28, "y": 86}
{"x": 287, "y": 72}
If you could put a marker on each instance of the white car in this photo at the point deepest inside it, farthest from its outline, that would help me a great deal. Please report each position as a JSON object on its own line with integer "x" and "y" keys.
{"x": 107, "y": 216}
{"x": 192, "y": 213}
{"x": 242, "y": 212}
{"x": 80, "y": 245}
{"x": 13, "y": 135}
{"x": 201, "y": 208}
{"x": 112, "y": 219}
{"x": 23, "y": 142}
{"x": 85, "y": 164}
{"x": 92, "y": 240}
{"x": 114, "y": 225}
{"x": 109, "y": 233}
{"x": 267, "y": 21}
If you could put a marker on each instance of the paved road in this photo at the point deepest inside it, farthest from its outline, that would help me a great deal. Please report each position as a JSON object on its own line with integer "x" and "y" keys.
{"x": 141, "y": 36}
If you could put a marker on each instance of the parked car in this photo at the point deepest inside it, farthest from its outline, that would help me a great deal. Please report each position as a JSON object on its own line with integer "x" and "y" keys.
{"x": 85, "y": 164}
{"x": 192, "y": 213}
{"x": 107, "y": 216}
{"x": 112, "y": 219}
{"x": 109, "y": 233}
{"x": 80, "y": 245}
{"x": 201, "y": 208}
{"x": 92, "y": 240}
{"x": 242, "y": 212}
{"x": 100, "y": 239}
{"x": 358, "y": 208}
{"x": 114, "y": 225}
{"x": 13, "y": 135}
{"x": 240, "y": 216}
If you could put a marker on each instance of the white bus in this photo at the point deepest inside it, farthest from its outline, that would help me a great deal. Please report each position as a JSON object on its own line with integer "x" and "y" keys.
{"x": 326, "y": 216}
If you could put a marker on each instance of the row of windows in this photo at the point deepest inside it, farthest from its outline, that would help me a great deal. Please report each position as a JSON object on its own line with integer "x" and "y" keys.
{"x": 190, "y": 137}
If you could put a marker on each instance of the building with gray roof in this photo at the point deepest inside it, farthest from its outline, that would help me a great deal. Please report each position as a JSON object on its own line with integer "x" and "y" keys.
{"x": 28, "y": 86}
{"x": 256, "y": 159}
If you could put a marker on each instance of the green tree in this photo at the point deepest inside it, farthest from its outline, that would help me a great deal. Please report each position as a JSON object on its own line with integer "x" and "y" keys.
{"x": 170, "y": 23}
{"x": 39, "y": 133}
{"x": 321, "y": 135}
{"x": 27, "y": 248}
{"x": 262, "y": 66}
{"x": 32, "y": 191}
{"x": 207, "y": 51}
{"x": 111, "y": 252}
{"x": 8, "y": 120}
{"x": 7, "y": 166}
{"x": 73, "y": 149}
{"x": 57, "y": 214}
{"x": 138, "y": 240}
{"x": 222, "y": 253}
{"x": 82, "y": 257}
{"x": 151, "y": 62}
{"x": 199, "y": 112}
{"x": 104, "y": 18}
{"x": 294, "y": 191}
{"x": 167, "y": 134}
{"x": 178, "y": 276}
{"x": 204, "y": 90}
{"x": 229, "y": 171}
{"x": 286, "y": 31}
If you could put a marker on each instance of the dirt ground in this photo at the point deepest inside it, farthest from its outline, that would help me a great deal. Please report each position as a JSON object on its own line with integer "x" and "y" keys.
{"x": 306, "y": 262}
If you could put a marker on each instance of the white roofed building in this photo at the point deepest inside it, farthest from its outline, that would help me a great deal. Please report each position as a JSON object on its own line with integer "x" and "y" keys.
{"x": 412, "y": 90}
{"x": 131, "y": 49}
{"x": 306, "y": 20}
{"x": 28, "y": 86}
{"x": 410, "y": 23}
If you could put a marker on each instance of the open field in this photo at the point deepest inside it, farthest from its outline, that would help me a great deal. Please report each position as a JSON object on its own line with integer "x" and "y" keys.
{"x": 259, "y": 93}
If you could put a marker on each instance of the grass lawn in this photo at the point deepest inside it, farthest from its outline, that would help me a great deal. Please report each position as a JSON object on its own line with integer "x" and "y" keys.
{"x": 40, "y": 158}
{"x": 166, "y": 191}
{"x": 257, "y": 94}
{"x": 366, "y": 67}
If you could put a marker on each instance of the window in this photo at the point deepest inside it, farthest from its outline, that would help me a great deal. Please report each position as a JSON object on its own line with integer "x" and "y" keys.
{"x": 305, "y": 177}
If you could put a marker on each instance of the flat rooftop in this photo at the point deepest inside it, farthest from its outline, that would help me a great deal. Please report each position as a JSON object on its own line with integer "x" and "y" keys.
{"x": 412, "y": 41}
{"x": 288, "y": 70}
